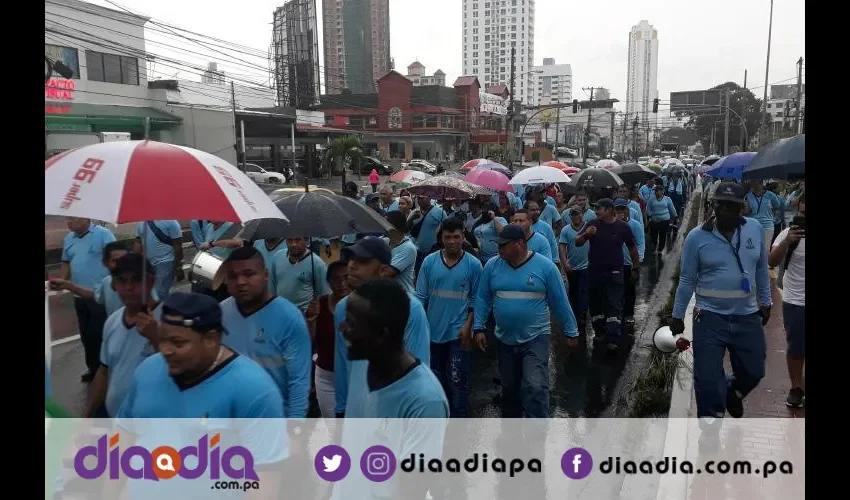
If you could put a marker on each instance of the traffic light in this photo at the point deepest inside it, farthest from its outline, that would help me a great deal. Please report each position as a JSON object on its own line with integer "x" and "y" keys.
{"x": 655, "y": 105}
{"x": 575, "y": 106}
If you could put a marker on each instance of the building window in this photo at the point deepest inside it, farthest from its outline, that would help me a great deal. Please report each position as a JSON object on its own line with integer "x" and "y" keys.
{"x": 66, "y": 55}
{"x": 112, "y": 68}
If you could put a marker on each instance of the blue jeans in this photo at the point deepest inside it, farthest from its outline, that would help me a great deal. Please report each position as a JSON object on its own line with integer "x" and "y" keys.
{"x": 524, "y": 369}
{"x": 714, "y": 334}
{"x": 164, "y": 278}
{"x": 451, "y": 364}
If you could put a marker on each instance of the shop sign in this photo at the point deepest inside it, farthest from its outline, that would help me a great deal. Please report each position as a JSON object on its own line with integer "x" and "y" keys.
{"x": 494, "y": 104}
{"x": 59, "y": 88}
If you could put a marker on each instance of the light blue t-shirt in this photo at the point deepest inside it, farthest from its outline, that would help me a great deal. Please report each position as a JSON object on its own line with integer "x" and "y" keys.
{"x": 589, "y": 215}
{"x": 645, "y": 193}
{"x": 521, "y": 299}
{"x": 578, "y": 257}
{"x": 122, "y": 351}
{"x": 404, "y": 262}
{"x": 418, "y": 394}
{"x": 277, "y": 339}
{"x": 417, "y": 341}
{"x": 157, "y": 251}
{"x": 488, "y": 238}
{"x": 549, "y": 213}
{"x": 85, "y": 255}
{"x": 543, "y": 229}
{"x": 660, "y": 210}
{"x": 640, "y": 241}
{"x": 300, "y": 282}
{"x": 762, "y": 207}
{"x": 392, "y": 208}
{"x": 447, "y": 293}
{"x": 268, "y": 254}
{"x": 104, "y": 294}
{"x": 539, "y": 244}
{"x": 198, "y": 228}
{"x": 428, "y": 232}
{"x": 212, "y": 234}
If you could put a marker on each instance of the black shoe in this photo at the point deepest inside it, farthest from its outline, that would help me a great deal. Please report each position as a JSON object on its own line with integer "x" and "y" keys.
{"x": 612, "y": 347}
{"x": 87, "y": 377}
{"x": 796, "y": 398}
{"x": 734, "y": 403}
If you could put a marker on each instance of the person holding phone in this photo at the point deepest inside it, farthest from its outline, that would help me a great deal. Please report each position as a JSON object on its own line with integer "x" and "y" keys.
{"x": 789, "y": 250}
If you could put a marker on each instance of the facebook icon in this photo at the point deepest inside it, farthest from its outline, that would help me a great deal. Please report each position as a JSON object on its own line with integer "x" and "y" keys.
{"x": 576, "y": 463}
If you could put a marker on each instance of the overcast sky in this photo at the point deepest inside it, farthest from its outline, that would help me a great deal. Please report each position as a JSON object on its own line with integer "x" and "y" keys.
{"x": 701, "y": 43}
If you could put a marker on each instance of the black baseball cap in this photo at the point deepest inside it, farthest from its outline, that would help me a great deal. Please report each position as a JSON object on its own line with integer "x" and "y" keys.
{"x": 131, "y": 263}
{"x": 510, "y": 233}
{"x": 621, "y": 203}
{"x": 199, "y": 312}
{"x": 371, "y": 197}
{"x": 729, "y": 191}
{"x": 369, "y": 248}
{"x": 605, "y": 203}
{"x": 576, "y": 211}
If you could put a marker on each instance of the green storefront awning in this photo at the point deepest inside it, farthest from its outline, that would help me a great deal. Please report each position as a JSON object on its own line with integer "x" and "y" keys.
{"x": 84, "y": 117}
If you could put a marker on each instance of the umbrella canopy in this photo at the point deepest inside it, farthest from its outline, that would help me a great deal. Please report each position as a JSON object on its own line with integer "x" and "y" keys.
{"x": 134, "y": 181}
{"x": 316, "y": 215}
{"x": 476, "y": 189}
{"x": 596, "y": 178}
{"x": 782, "y": 159}
{"x": 633, "y": 173}
{"x": 443, "y": 187}
{"x": 563, "y": 167}
{"x": 654, "y": 167}
{"x": 474, "y": 163}
{"x": 489, "y": 179}
{"x": 496, "y": 167}
{"x": 731, "y": 167}
{"x": 539, "y": 175}
{"x": 408, "y": 177}
{"x": 607, "y": 164}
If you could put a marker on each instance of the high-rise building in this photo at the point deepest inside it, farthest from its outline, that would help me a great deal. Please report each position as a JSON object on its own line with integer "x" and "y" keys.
{"x": 553, "y": 83}
{"x": 490, "y": 29}
{"x": 357, "y": 44}
{"x": 212, "y": 75}
{"x": 295, "y": 46}
{"x": 642, "y": 81}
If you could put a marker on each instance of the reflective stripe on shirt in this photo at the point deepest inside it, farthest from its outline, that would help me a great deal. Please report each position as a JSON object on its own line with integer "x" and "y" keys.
{"x": 506, "y": 294}
{"x": 723, "y": 294}
{"x": 449, "y": 294}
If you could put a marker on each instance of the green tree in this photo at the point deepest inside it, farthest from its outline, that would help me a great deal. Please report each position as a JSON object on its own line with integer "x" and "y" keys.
{"x": 741, "y": 101}
{"x": 344, "y": 152}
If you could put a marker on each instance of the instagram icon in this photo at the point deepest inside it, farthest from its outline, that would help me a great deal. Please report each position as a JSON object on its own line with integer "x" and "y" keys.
{"x": 377, "y": 463}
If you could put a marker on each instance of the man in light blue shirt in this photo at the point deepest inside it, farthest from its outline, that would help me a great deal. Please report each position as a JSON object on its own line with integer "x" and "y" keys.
{"x": 161, "y": 242}
{"x": 661, "y": 214}
{"x": 521, "y": 288}
{"x": 425, "y": 223}
{"x": 388, "y": 201}
{"x": 725, "y": 263}
{"x": 535, "y": 242}
{"x": 580, "y": 201}
{"x": 298, "y": 275}
{"x": 268, "y": 329}
{"x": 129, "y": 336}
{"x": 621, "y": 208}
{"x": 404, "y": 251}
{"x": 542, "y": 228}
{"x": 635, "y": 211}
{"x": 82, "y": 264}
{"x": 104, "y": 294}
{"x": 199, "y": 232}
{"x": 576, "y": 259}
{"x": 645, "y": 191}
{"x": 367, "y": 260}
{"x": 447, "y": 284}
{"x": 760, "y": 206}
{"x": 675, "y": 186}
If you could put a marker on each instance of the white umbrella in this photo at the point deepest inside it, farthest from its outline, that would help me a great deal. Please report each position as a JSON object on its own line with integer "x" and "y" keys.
{"x": 539, "y": 175}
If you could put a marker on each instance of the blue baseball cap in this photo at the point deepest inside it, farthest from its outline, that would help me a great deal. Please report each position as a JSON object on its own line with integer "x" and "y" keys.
{"x": 369, "y": 248}
{"x": 621, "y": 202}
{"x": 199, "y": 312}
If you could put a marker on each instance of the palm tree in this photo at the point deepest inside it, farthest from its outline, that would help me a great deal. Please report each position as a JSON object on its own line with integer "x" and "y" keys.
{"x": 344, "y": 152}
{"x": 546, "y": 118}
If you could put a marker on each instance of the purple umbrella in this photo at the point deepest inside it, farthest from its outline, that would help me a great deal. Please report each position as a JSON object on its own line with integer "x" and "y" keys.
{"x": 496, "y": 167}
{"x": 491, "y": 179}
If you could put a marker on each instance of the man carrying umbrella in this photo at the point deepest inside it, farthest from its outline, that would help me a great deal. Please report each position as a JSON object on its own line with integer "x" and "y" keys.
{"x": 424, "y": 224}
{"x": 298, "y": 275}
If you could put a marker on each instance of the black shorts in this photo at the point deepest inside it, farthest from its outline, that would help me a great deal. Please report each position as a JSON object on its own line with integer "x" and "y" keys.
{"x": 794, "y": 318}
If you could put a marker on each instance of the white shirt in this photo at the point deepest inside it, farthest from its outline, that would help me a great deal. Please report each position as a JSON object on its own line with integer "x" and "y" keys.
{"x": 794, "y": 280}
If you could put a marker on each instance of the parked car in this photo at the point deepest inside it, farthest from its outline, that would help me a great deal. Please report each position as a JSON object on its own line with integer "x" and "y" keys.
{"x": 260, "y": 175}
{"x": 370, "y": 162}
{"x": 421, "y": 165}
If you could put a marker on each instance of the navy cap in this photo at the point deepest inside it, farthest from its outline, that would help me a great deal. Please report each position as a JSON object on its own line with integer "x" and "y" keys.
{"x": 621, "y": 202}
{"x": 198, "y": 312}
{"x": 511, "y": 233}
{"x": 605, "y": 203}
{"x": 131, "y": 263}
{"x": 729, "y": 191}
{"x": 369, "y": 248}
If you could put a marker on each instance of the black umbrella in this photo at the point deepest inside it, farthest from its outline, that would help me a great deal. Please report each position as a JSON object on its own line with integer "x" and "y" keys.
{"x": 317, "y": 215}
{"x": 782, "y": 159}
{"x": 633, "y": 173}
{"x": 591, "y": 179}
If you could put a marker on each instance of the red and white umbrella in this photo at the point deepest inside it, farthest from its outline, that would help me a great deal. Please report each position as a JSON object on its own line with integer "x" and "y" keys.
{"x": 408, "y": 177}
{"x": 607, "y": 164}
{"x": 134, "y": 181}
{"x": 563, "y": 167}
{"x": 474, "y": 163}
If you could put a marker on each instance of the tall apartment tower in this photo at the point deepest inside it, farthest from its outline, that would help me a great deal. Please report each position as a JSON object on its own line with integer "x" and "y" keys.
{"x": 295, "y": 46}
{"x": 642, "y": 82}
{"x": 490, "y": 29}
{"x": 357, "y": 44}
{"x": 553, "y": 83}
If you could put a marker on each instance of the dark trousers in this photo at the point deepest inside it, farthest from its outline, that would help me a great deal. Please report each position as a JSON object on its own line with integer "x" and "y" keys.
{"x": 714, "y": 334}
{"x": 579, "y": 297}
{"x": 451, "y": 364}
{"x": 606, "y": 303}
{"x": 90, "y": 318}
{"x": 524, "y": 369}
{"x": 629, "y": 292}
{"x": 658, "y": 233}
{"x": 374, "y": 188}
{"x": 777, "y": 228}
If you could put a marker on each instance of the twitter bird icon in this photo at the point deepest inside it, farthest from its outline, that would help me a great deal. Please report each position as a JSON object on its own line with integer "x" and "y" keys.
{"x": 332, "y": 463}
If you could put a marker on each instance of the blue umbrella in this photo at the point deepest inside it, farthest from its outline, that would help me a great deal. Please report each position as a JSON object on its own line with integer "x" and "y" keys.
{"x": 731, "y": 167}
{"x": 782, "y": 159}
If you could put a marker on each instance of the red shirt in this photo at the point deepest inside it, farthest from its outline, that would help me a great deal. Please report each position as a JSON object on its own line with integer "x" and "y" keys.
{"x": 325, "y": 335}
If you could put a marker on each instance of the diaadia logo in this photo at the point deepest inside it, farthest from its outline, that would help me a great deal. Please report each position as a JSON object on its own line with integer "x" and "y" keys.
{"x": 164, "y": 462}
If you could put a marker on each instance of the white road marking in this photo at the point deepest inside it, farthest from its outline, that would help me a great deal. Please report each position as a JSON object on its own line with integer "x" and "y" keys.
{"x": 65, "y": 340}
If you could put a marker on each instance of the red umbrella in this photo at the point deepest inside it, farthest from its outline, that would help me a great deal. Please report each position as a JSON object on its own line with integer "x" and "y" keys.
{"x": 489, "y": 179}
{"x": 563, "y": 167}
{"x": 474, "y": 163}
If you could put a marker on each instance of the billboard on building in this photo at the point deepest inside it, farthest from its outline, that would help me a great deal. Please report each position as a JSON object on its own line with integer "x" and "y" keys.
{"x": 696, "y": 101}
{"x": 491, "y": 103}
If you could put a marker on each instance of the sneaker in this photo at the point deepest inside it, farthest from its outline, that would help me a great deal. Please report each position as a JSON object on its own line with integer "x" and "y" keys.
{"x": 734, "y": 403}
{"x": 796, "y": 398}
{"x": 612, "y": 347}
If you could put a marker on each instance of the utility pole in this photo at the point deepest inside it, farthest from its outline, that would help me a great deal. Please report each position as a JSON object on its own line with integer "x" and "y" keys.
{"x": 745, "y": 78}
{"x": 587, "y": 130}
{"x": 726, "y": 127}
{"x": 611, "y": 147}
{"x": 625, "y": 137}
{"x": 799, "y": 95}
{"x": 557, "y": 130}
{"x": 634, "y": 136}
{"x": 509, "y": 147}
{"x": 239, "y": 161}
{"x": 766, "y": 119}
